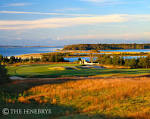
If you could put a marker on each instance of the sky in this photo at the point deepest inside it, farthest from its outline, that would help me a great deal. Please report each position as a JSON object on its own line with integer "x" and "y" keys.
{"x": 64, "y": 22}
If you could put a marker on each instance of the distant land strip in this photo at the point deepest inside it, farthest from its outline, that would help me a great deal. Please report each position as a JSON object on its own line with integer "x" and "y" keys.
{"x": 106, "y": 46}
{"x": 11, "y": 46}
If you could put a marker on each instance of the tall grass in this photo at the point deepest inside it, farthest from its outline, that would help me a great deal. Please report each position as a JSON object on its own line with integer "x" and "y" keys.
{"x": 124, "y": 97}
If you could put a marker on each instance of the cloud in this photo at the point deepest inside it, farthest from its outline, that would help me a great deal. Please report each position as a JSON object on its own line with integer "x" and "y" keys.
{"x": 69, "y": 9}
{"x": 70, "y": 21}
{"x": 17, "y": 4}
{"x": 94, "y": 0}
{"x": 59, "y": 22}
{"x": 125, "y": 36}
{"x": 42, "y": 13}
{"x": 115, "y": 2}
{"x": 20, "y": 12}
{"x": 105, "y": 2}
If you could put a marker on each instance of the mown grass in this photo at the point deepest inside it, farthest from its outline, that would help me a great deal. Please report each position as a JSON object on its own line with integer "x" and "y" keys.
{"x": 123, "y": 98}
{"x": 58, "y": 70}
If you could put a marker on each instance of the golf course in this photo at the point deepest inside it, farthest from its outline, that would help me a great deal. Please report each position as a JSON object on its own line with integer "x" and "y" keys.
{"x": 75, "y": 91}
{"x": 69, "y": 70}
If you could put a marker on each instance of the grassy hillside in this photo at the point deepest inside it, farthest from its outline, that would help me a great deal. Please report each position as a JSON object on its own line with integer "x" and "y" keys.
{"x": 68, "y": 97}
{"x": 123, "y": 98}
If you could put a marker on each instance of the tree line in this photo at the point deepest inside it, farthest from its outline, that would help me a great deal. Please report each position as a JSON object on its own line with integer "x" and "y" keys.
{"x": 51, "y": 57}
{"x": 142, "y": 62}
{"x": 12, "y": 60}
{"x": 4, "y": 78}
{"x": 106, "y": 46}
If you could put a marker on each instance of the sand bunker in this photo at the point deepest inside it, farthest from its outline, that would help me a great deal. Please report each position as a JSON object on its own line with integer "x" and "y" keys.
{"x": 57, "y": 68}
{"x": 16, "y": 78}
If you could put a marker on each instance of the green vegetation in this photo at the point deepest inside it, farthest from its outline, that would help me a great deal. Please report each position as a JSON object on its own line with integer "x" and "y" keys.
{"x": 108, "y": 59}
{"x": 3, "y": 75}
{"x": 53, "y": 57}
{"x": 47, "y": 57}
{"x": 68, "y": 70}
{"x": 142, "y": 62}
{"x": 106, "y": 46}
{"x": 11, "y": 60}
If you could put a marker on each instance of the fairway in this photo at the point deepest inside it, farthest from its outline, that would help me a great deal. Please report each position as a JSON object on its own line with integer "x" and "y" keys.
{"x": 68, "y": 70}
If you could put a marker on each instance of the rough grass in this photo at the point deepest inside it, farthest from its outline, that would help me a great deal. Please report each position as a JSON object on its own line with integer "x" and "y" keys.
{"x": 123, "y": 98}
{"x": 47, "y": 71}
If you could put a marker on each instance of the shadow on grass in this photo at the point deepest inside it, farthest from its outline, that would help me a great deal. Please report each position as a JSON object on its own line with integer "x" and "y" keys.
{"x": 56, "y": 112}
{"x": 17, "y": 87}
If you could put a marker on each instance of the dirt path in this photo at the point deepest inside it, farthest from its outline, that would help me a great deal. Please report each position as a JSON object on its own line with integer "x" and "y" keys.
{"x": 17, "y": 80}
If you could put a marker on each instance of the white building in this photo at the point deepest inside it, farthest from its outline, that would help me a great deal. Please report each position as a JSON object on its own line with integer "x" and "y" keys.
{"x": 88, "y": 63}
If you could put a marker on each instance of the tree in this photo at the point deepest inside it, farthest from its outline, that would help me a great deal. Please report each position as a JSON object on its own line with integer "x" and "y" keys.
{"x": 44, "y": 58}
{"x": 115, "y": 60}
{"x": 127, "y": 62}
{"x": 31, "y": 59}
{"x": 53, "y": 57}
{"x": 79, "y": 59}
{"x": 140, "y": 63}
{"x": 133, "y": 63}
{"x": 144, "y": 62}
{"x": 121, "y": 62}
{"x": 12, "y": 60}
{"x": 1, "y": 58}
{"x": 91, "y": 57}
{"x": 108, "y": 61}
{"x": 5, "y": 59}
{"x": 3, "y": 75}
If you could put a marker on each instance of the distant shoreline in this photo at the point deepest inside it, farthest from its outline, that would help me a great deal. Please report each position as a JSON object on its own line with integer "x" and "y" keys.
{"x": 39, "y": 55}
{"x": 21, "y": 50}
{"x": 3, "y": 46}
{"x": 26, "y": 56}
